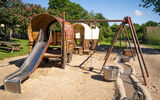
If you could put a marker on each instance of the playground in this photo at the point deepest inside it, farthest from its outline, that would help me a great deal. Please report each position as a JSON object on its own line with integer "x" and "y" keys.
{"x": 65, "y": 52}
{"x": 74, "y": 82}
{"x": 70, "y": 60}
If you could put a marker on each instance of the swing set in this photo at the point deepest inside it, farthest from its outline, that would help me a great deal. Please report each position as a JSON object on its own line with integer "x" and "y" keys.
{"x": 126, "y": 20}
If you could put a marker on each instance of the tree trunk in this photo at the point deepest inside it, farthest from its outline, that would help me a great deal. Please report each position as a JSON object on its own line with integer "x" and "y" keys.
{"x": 11, "y": 32}
{"x": 5, "y": 26}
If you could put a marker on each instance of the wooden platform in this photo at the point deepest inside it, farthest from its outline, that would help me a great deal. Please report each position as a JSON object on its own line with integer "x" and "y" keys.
{"x": 53, "y": 53}
{"x": 87, "y": 52}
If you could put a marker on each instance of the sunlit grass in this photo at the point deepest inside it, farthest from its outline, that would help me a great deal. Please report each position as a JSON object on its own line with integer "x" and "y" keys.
{"x": 7, "y": 54}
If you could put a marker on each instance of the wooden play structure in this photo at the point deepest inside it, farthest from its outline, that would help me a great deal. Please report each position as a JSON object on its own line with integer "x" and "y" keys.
{"x": 54, "y": 24}
{"x": 49, "y": 37}
{"x": 86, "y": 38}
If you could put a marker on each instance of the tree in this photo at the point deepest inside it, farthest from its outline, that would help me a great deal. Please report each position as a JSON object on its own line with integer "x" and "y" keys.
{"x": 140, "y": 30}
{"x": 149, "y": 3}
{"x": 151, "y": 23}
{"x": 100, "y": 16}
{"x": 9, "y": 10}
{"x": 15, "y": 12}
{"x": 114, "y": 27}
{"x": 73, "y": 10}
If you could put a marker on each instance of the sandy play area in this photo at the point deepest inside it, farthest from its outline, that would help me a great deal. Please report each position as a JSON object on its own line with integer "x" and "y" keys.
{"x": 151, "y": 58}
{"x": 49, "y": 82}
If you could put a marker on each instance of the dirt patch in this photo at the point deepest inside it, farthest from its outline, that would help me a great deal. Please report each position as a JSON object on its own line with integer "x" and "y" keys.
{"x": 50, "y": 82}
{"x": 151, "y": 58}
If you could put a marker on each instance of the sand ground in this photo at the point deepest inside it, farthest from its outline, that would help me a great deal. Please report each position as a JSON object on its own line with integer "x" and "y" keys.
{"x": 49, "y": 82}
{"x": 152, "y": 59}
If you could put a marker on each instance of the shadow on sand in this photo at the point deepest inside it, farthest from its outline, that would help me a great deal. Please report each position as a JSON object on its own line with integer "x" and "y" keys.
{"x": 2, "y": 87}
{"x": 146, "y": 50}
{"x": 17, "y": 62}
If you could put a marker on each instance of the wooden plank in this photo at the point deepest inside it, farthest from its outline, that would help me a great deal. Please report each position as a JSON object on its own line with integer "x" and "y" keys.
{"x": 7, "y": 48}
{"x": 86, "y": 52}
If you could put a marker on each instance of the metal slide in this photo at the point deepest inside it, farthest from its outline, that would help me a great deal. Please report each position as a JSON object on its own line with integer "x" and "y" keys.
{"x": 12, "y": 82}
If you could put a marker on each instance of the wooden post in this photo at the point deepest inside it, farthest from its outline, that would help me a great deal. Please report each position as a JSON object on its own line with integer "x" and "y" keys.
{"x": 63, "y": 43}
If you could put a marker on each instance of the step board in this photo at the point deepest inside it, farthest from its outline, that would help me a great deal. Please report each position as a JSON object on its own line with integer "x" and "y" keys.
{"x": 87, "y": 52}
{"x": 48, "y": 55}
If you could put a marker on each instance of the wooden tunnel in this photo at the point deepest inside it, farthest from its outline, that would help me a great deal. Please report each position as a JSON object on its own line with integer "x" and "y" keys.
{"x": 53, "y": 24}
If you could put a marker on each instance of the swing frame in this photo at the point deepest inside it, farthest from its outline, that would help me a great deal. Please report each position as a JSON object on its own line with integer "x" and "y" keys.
{"x": 139, "y": 53}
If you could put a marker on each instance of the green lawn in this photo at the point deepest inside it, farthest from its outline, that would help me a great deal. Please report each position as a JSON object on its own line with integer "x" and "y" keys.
{"x": 109, "y": 43}
{"x": 7, "y": 54}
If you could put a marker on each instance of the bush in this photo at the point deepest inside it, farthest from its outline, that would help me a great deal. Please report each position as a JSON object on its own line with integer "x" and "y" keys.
{"x": 101, "y": 37}
{"x": 152, "y": 37}
{"x": 109, "y": 39}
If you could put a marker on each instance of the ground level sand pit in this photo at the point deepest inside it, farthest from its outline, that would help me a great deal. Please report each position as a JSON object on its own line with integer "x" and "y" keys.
{"x": 49, "y": 82}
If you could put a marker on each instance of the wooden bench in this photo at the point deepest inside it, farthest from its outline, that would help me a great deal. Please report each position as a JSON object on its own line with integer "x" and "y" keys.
{"x": 10, "y": 46}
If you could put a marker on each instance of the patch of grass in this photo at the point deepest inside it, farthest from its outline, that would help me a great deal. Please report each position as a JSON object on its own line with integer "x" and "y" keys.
{"x": 7, "y": 54}
{"x": 109, "y": 43}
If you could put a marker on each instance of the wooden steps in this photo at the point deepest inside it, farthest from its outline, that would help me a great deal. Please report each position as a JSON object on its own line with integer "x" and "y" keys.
{"x": 78, "y": 50}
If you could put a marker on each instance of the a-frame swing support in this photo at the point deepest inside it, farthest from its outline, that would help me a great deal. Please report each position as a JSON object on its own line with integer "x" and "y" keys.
{"x": 126, "y": 20}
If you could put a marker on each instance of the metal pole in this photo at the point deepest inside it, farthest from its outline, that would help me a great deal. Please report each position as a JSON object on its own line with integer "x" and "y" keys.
{"x": 139, "y": 48}
{"x": 63, "y": 43}
{"x": 112, "y": 45}
{"x": 127, "y": 35}
{"x": 120, "y": 43}
{"x": 94, "y": 20}
{"x": 125, "y": 40}
{"x": 134, "y": 41}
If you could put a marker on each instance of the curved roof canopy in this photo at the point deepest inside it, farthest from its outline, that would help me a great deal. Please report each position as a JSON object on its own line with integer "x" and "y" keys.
{"x": 88, "y": 32}
{"x": 43, "y": 21}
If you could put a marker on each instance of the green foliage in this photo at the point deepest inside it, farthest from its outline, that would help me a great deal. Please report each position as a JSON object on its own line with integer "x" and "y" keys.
{"x": 14, "y": 12}
{"x": 139, "y": 30}
{"x": 114, "y": 27}
{"x": 73, "y": 10}
{"x": 149, "y": 3}
{"x": 152, "y": 37}
{"x": 151, "y": 23}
